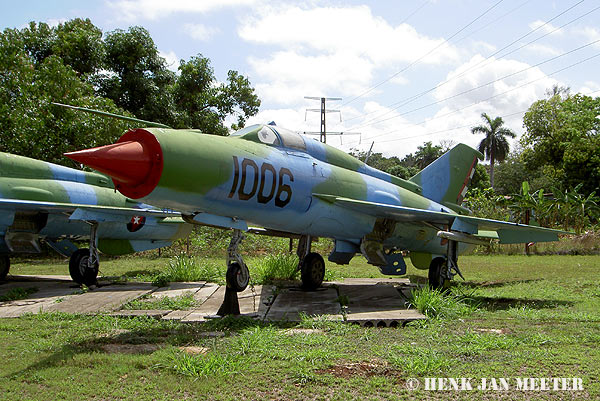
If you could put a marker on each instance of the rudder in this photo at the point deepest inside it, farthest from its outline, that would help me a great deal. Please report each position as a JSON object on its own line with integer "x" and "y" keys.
{"x": 446, "y": 180}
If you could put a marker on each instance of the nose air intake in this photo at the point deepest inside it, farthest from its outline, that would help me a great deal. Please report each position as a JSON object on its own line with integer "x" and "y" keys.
{"x": 134, "y": 163}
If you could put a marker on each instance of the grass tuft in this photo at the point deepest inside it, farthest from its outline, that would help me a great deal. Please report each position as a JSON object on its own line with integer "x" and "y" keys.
{"x": 186, "y": 268}
{"x": 438, "y": 304}
{"x": 276, "y": 267}
{"x": 184, "y": 302}
{"x": 204, "y": 365}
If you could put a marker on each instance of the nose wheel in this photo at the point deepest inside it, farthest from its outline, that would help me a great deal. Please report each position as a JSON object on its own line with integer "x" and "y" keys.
{"x": 237, "y": 277}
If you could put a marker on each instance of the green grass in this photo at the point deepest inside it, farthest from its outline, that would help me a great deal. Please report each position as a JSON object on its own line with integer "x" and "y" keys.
{"x": 185, "y": 301}
{"x": 515, "y": 316}
{"x": 17, "y": 293}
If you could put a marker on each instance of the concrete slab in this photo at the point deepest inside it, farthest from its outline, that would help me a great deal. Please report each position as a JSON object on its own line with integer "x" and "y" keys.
{"x": 174, "y": 290}
{"x": 102, "y": 299}
{"x": 49, "y": 292}
{"x": 376, "y": 305}
{"x": 177, "y": 315}
{"x": 205, "y": 292}
{"x": 290, "y": 302}
{"x": 371, "y": 302}
{"x": 208, "y": 308}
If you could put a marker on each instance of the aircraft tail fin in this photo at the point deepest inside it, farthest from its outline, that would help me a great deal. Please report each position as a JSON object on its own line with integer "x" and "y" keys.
{"x": 446, "y": 180}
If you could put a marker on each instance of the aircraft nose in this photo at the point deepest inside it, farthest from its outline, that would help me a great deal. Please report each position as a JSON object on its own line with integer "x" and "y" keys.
{"x": 134, "y": 162}
{"x": 128, "y": 162}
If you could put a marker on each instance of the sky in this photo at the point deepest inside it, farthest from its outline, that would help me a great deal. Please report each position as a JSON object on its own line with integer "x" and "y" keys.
{"x": 407, "y": 71}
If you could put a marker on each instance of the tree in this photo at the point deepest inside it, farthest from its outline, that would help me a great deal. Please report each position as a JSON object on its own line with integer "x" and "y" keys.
{"x": 202, "y": 103}
{"x": 562, "y": 139}
{"x": 122, "y": 74}
{"x": 494, "y": 145}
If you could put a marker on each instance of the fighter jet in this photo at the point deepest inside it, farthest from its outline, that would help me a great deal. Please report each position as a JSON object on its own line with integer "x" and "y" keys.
{"x": 294, "y": 186}
{"x": 41, "y": 201}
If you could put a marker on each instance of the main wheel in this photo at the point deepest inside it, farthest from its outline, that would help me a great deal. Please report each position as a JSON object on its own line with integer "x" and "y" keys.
{"x": 80, "y": 272}
{"x": 237, "y": 277}
{"x": 312, "y": 271}
{"x": 4, "y": 266}
{"x": 438, "y": 274}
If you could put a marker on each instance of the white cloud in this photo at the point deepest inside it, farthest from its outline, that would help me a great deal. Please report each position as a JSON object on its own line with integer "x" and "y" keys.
{"x": 504, "y": 96}
{"x": 290, "y": 76}
{"x": 351, "y": 30}
{"x": 546, "y": 28}
{"x": 171, "y": 59}
{"x": 154, "y": 9}
{"x": 332, "y": 51}
{"x": 542, "y": 50}
{"x": 590, "y": 87}
{"x": 200, "y": 32}
{"x": 591, "y": 34}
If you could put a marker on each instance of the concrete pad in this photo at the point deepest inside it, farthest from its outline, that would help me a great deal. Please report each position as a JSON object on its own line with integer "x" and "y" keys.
{"x": 177, "y": 315}
{"x": 174, "y": 290}
{"x": 102, "y": 299}
{"x": 256, "y": 300}
{"x": 49, "y": 292}
{"x": 205, "y": 292}
{"x": 376, "y": 305}
{"x": 290, "y": 302}
{"x": 208, "y": 308}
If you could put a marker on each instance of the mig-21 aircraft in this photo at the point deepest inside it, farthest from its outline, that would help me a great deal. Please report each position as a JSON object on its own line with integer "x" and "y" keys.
{"x": 42, "y": 201}
{"x": 293, "y": 186}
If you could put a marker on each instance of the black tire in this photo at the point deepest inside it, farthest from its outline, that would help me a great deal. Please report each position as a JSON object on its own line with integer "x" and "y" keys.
{"x": 4, "y": 266}
{"x": 79, "y": 270}
{"x": 237, "y": 277}
{"x": 312, "y": 271}
{"x": 437, "y": 274}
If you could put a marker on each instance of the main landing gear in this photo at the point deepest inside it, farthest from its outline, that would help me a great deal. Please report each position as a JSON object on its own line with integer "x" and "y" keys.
{"x": 84, "y": 263}
{"x": 442, "y": 270}
{"x": 311, "y": 265}
{"x": 4, "y": 266}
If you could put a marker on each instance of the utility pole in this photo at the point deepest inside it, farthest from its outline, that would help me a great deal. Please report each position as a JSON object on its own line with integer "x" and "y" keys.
{"x": 324, "y": 111}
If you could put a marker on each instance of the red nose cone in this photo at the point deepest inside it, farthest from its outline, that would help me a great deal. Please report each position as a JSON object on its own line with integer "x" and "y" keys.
{"x": 128, "y": 162}
{"x": 134, "y": 162}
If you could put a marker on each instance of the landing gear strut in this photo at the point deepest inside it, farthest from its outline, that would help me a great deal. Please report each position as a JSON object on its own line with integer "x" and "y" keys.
{"x": 237, "y": 277}
{"x": 312, "y": 265}
{"x": 442, "y": 270}
{"x": 84, "y": 263}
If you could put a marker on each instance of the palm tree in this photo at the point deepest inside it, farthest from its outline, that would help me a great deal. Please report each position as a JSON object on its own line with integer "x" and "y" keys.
{"x": 494, "y": 145}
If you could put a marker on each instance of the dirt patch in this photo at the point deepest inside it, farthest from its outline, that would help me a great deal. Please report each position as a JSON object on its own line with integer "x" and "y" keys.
{"x": 193, "y": 350}
{"x": 362, "y": 369}
{"x": 130, "y": 348}
{"x": 494, "y": 331}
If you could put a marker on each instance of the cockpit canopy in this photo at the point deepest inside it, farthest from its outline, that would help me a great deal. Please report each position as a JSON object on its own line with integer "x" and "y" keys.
{"x": 272, "y": 135}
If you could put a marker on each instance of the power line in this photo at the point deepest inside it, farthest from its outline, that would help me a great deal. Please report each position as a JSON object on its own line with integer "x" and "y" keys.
{"x": 423, "y": 56}
{"x": 489, "y": 98}
{"x": 408, "y": 100}
{"x": 375, "y": 121}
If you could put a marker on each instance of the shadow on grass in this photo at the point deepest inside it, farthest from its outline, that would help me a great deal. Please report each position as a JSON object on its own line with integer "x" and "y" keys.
{"x": 143, "y": 339}
{"x": 496, "y": 304}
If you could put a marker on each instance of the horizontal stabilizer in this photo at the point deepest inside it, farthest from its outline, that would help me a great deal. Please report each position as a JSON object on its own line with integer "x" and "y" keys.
{"x": 506, "y": 232}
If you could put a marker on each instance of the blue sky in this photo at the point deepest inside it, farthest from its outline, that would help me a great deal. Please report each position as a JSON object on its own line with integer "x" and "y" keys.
{"x": 408, "y": 71}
